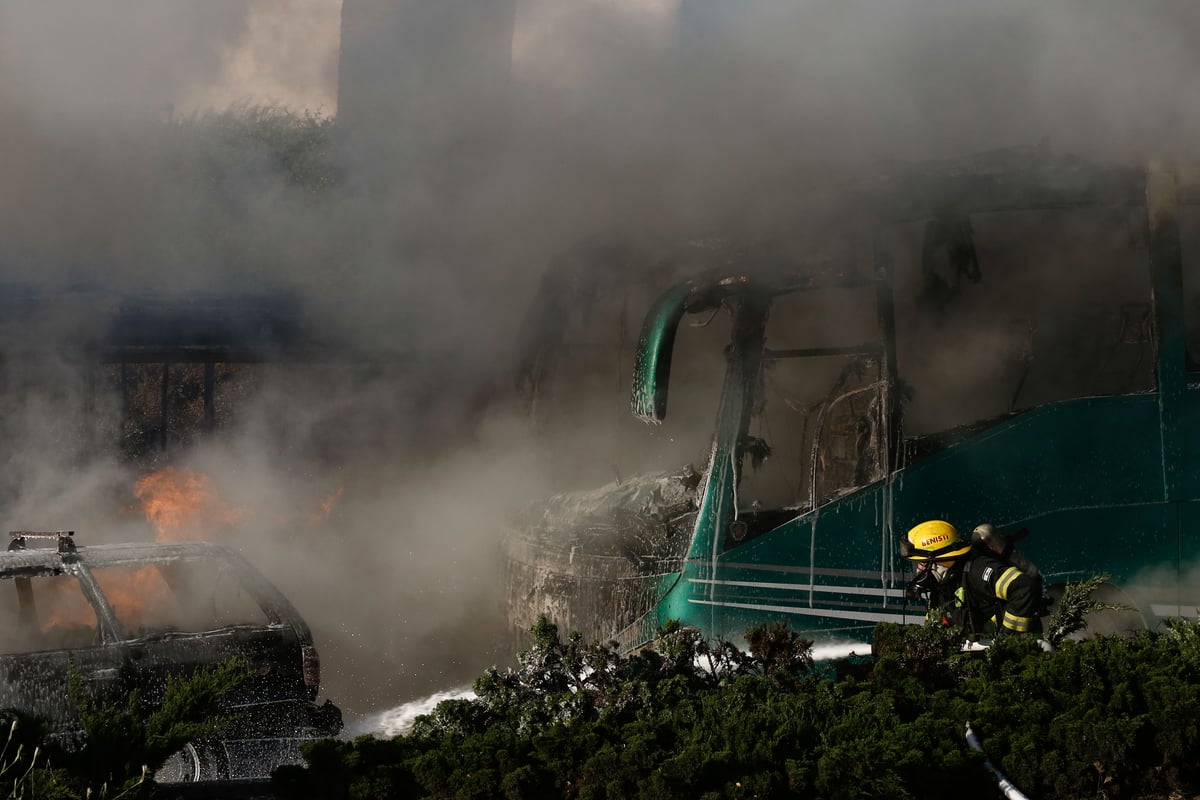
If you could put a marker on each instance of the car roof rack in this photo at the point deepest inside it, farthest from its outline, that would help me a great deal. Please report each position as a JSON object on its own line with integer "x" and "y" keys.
{"x": 65, "y": 539}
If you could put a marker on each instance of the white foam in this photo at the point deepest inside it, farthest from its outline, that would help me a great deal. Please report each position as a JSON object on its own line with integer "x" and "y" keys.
{"x": 833, "y": 650}
{"x": 398, "y": 721}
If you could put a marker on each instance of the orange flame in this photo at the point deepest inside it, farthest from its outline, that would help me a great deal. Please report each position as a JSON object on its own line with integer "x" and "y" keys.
{"x": 62, "y": 604}
{"x": 132, "y": 592}
{"x": 183, "y": 504}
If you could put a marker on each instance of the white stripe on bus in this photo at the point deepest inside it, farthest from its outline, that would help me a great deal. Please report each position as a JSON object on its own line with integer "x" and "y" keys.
{"x": 865, "y": 616}
{"x": 801, "y": 587}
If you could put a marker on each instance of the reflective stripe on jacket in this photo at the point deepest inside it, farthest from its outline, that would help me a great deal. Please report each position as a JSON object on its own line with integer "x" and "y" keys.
{"x": 1000, "y": 593}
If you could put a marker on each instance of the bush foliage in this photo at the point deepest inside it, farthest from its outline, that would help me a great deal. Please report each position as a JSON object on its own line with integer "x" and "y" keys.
{"x": 123, "y": 739}
{"x": 1109, "y": 717}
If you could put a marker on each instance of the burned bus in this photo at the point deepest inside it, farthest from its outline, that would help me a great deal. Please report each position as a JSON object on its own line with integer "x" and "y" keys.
{"x": 1010, "y": 338}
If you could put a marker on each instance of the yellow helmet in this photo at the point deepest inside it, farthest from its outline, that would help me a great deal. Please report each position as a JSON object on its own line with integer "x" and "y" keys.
{"x": 935, "y": 540}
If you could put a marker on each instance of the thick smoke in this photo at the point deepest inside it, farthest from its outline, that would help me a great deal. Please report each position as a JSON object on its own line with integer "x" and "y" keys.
{"x": 418, "y": 243}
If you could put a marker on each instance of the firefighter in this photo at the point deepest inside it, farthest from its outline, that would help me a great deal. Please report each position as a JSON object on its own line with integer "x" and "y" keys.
{"x": 970, "y": 585}
{"x": 1005, "y": 546}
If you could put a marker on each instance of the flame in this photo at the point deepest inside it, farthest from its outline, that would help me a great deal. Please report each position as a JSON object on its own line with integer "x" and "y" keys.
{"x": 132, "y": 593}
{"x": 184, "y": 504}
{"x": 181, "y": 504}
{"x": 62, "y": 605}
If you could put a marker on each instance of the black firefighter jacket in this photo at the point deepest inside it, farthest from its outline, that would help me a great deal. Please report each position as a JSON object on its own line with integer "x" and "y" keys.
{"x": 990, "y": 594}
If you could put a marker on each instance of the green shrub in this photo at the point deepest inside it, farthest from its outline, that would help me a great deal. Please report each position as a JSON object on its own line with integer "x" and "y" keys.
{"x": 1110, "y": 717}
{"x": 124, "y": 740}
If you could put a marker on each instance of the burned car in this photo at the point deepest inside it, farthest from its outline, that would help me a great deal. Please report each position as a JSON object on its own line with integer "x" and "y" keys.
{"x": 131, "y": 616}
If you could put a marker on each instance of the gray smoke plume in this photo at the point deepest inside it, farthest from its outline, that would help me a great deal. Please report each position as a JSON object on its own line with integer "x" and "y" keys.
{"x": 415, "y": 237}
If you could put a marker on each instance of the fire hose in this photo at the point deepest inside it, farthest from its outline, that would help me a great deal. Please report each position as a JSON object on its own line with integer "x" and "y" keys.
{"x": 1010, "y": 791}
